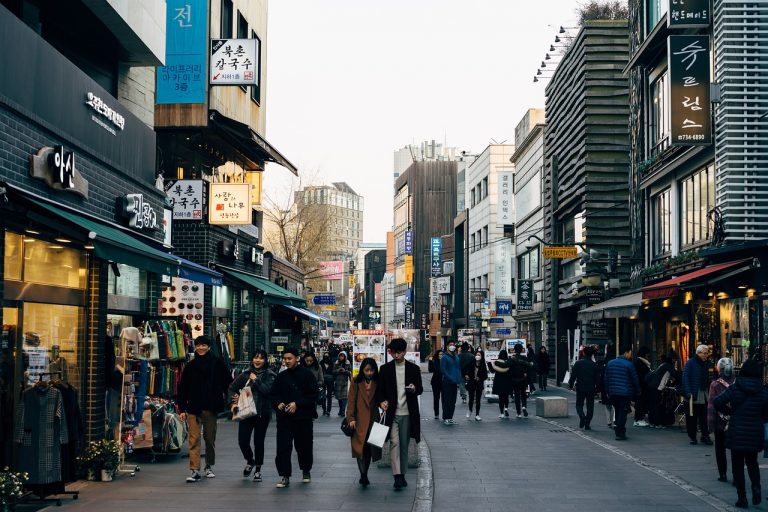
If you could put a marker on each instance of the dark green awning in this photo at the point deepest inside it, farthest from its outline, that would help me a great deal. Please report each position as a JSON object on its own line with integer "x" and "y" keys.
{"x": 114, "y": 244}
{"x": 273, "y": 294}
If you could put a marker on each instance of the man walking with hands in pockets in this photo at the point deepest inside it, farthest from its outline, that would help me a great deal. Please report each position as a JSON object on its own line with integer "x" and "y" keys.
{"x": 397, "y": 394}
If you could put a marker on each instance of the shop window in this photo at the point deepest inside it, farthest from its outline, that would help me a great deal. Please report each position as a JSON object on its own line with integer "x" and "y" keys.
{"x": 698, "y": 198}
{"x": 734, "y": 328}
{"x": 36, "y": 261}
{"x": 132, "y": 282}
{"x": 222, "y": 297}
{"x": 13, "y": 257}
{"x": 662, "y": 223}
{"x": 227, "y": 19}
{"x": 256, "y": 88}
{"x": 659, "y": 115}
{"x": 655, "y": 9}
{"x": 528, "y": 264}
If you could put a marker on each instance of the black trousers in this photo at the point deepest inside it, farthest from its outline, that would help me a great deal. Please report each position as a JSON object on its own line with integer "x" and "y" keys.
{"x": 475, "y": 394}
{"x": 542, "y": 380}
{"x": 590, "y": 399}
{"x": 450, "y": 391}
{"x": 738, "y": 458}
{"x": 255, "y": 426}
{"x": 620, "y": 409}
{"x": 641, "y": 406}
{"x": 519, "y": 388}
{"x": 699, "y": 417}
{"x": 503, "y": 402}
{"x": 437, "y": 389}
{"x": 328, "y": 386}
{"x": 722, "y": 460}
{"x": 293, "y": 433}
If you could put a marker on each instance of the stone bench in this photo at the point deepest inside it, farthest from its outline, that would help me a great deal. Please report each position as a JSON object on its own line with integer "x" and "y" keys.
{"x": 552, "y": 407}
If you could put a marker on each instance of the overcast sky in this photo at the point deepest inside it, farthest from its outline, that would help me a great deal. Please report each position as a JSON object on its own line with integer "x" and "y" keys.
{"x": 350, "y": 81}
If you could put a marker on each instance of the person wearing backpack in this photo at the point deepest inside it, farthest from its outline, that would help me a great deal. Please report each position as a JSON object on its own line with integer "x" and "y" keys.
{"x": 519, "y": 368}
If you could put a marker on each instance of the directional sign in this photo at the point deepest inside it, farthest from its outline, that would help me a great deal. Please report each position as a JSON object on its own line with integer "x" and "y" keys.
{"x": 324, "y": 300}
{"x": 503, "y": 331}
{"x": 497, "y": 320}
{"x": 560, "y": 252}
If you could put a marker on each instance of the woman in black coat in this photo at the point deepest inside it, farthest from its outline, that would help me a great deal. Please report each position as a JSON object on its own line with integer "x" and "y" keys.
{"x": 502, "y": 382}
{"x": 746, "y": 402}
{"x": 542, "y": 367}
{"x": 475, "y": 376}
{"x": 437, "y": 379}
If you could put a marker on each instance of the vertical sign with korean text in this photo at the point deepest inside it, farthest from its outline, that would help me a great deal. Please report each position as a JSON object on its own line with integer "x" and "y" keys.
{"x": 437, "y": 255}
{"x": 182, "y": 79}
{"x": 503, "y": 267}
{"x": 229, "y": 203}
{"x": 524, "y": 295}
{"x": 409, "y": 242}
{"x": 187, "y": 199}
{"x": 445, "y": 315}
{"x": 690, "y": 108}
{"x": 505, "y": 211}
{"x": 688, "y": 14}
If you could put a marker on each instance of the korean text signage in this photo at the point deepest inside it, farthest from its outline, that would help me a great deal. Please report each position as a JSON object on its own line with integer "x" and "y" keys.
{"x": 503, "y": 268}
{"x": 182, "y": 79}
{"x": 445, "y": 316}
{"x": 408, "y": 316}
{"x": 560, "y": 252}
{"x": 56, "y": 166}
{"x": 505, "y": 213}
{"x": 327, "y": 299}
{"x": 104, "y": 115}
{"x": 332, "y": 270}
{"x": 424, "y": 321}
{"x": 409, "y": 269}
{"x": 437, "y": 255}
{"x": 688, "y": 13}
{"x": 690, "y": 108}
{"x": 233, "y": 61}
{"x": 478, "y": 296}
{"x": 443, "y": 285}
{"x": 503, "y": 308}
{"x": 524, "y": 295}
{"x": 187, "y": 199}
{"x": 229, "y": 203}
{"x": 409, "y": 242}
{"x": 139, "y": 213}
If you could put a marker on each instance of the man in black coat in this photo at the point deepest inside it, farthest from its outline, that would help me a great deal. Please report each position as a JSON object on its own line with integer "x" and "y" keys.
{"x": 586, "y": 374}
{"x": 202, "y": 391}
{"x": 397, "y": 394}
{"x": 294, "y": 397}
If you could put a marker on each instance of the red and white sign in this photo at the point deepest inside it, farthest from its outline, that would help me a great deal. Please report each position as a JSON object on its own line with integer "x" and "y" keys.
{"x": 332, "y": 270}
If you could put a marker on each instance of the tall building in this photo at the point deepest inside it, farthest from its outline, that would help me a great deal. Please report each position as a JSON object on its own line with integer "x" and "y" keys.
{"x": 344, "y": 210}
{"x": 358, "y": 284}
{"x": 427, "y": 151}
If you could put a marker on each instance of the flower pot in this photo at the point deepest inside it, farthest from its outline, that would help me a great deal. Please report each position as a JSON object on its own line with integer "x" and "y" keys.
{"x": 106, "y": 476}
{"x": 90, "y": 475}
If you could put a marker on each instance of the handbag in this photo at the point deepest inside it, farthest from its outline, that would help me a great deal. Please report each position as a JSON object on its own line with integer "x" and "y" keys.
{"x": 148, "y": 349}
{"x": 379, "y": 432}
{"x": 246, "y": 405}
{"x": 142, "y": 433}
{"x": 321, "y": 396}
{"x": 567, "y": 377}
{"x": 345, "y": 428}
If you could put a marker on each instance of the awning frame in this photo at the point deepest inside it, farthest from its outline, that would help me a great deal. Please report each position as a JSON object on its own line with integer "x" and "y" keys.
{"x": 670, "y": 287}
{"x": 622, "y": 306}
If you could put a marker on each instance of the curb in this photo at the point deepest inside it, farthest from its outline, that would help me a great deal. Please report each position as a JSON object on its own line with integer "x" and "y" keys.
{"x": 425, "y": 486}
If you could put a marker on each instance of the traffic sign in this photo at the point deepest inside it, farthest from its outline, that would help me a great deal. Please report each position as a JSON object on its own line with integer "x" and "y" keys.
{"x": 324, "y": 300}
{"x": 560, "y": 252}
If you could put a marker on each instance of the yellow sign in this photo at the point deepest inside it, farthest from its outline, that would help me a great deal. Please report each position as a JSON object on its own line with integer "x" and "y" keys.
{"x": 229, "y": 203}
{"x": 352, "y": 281}
{"x": 409, "y": 269}
{"x": 560, "y": 252}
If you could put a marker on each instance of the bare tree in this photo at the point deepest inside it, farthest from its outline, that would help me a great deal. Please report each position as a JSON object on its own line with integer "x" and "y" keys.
{"x": 602, "y": 10}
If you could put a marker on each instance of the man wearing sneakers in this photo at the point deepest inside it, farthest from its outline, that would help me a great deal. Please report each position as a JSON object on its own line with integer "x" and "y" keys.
{"x": 294, "y": 397}
{"x": 202, "y": 392}
{"x": 450, "y": 365}
{"x": 622, "y": 385}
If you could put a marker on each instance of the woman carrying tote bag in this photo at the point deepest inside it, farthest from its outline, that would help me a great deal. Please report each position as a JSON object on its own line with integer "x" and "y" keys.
{"x": 361, "y": 414}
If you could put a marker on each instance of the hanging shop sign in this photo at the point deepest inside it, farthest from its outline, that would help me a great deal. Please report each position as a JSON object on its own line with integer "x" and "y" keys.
{"x": 434, "y": 296}
{"x": 443, "y": 285}
{"x": 524, "y": 295}
{"x": 503, "y": 267}
{"x": 690, "y": 107}
{"x": 437, "y": 255}
{"x": 408, "y": 316}
{"x": 182, "y": 79}
{"x": 688, "y": 14}
{"x": 186, "y": 199}
{"x": 505, "y": 211}
{"x": 56, "y": 167}
{"x": 324, "y": 299}
{"x": 184, "y": 298}
{"x": 445, "y": 315}
{"x": 257, "y": 256}
{"x": 424, "y": 321}
{"x": 409, "y": 269}
{"x": 559, "y": 252}
{"x": 229, "y": 203}
{"x": 478, "y": 296}
{"x": 233, "y": 61}
{"x": 139, "y": 213}
{"x": 409, "y": 242}
{"x": 503, "y": 307}
{"x": 332, "y": 270}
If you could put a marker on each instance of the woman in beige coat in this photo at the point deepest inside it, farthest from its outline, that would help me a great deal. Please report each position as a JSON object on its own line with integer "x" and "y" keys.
{"x": 361, "y": 415}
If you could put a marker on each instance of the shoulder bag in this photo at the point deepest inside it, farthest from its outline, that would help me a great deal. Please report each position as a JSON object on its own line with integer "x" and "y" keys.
{"x": 345, "y": 428}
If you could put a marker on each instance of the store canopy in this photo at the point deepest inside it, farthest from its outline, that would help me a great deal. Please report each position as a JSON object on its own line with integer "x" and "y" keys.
{"x": 273, "y": 294}
{"x": 670, "y": 287}
{"x": 198, "y": 273}
{"x": 624, "y": 306}
{"x": 111, "y": 242}
{"x": 309, "y": 315}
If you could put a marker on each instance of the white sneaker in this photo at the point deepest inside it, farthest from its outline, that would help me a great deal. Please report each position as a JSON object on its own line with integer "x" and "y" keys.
{"x": 209, "y": 472}
{"x": 469, "y": 414}
{"x": 194, "y": 476}
{"x": 501, "y": 416}
{"x": 478, "y": 418}
{"x": 641, "y": 423}
{"x": 519, "y": 415}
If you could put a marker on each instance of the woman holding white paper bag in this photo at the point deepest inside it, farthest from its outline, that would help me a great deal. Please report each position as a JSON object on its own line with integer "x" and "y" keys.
{"x": 361, "y": 414}
{"x": 259, "y": 378}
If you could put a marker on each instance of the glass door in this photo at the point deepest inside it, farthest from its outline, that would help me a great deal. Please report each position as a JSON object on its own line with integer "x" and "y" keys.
{"x": 10, "y": 387}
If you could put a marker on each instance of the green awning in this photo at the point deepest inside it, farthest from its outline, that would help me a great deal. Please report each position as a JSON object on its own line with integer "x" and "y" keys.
{"x": 114, "y": 244}
{"x": 273, "y": 294}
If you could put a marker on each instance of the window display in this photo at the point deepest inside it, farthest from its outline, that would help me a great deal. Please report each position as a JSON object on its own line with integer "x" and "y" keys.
{"x": 734, "y": 328}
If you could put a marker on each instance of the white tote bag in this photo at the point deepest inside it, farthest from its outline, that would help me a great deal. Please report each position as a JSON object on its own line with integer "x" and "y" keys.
{"x": 379, "y": 432}
{"x": 246, "y": 405}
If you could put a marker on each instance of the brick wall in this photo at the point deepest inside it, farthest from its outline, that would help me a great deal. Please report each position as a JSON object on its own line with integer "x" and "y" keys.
{"x": 94, "y": 351}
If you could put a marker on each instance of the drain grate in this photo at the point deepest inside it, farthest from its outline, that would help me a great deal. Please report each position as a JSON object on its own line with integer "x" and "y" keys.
{"x": 560, "y": 431}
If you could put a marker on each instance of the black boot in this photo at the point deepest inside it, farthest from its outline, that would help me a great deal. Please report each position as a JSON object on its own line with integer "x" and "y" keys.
{"x": 364, "y": 480}
{"x": 398, "y": 482}
{"x": 757, "y": 495}
{"x": 742, "y": 501}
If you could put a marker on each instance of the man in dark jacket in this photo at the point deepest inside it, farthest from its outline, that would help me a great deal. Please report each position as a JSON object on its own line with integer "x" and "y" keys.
{"x": 621, "y": 385}
{"x": 466, "y": 360}
{"x": 294, "y": 397}
{"x": 202, "y": 389}
{"x": 397, "y": 394}
{"x": 450, "y": 366}
{"x": 695, "y": 390}
{"x": 586, "y": 374}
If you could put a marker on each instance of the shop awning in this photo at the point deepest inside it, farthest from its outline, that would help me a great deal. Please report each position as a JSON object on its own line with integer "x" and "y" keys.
{"x": 247, "y": 141}
{"x": 670, "y": 287}
{"x": 273, "y": 294}
{"x": 112, "y": 243}
{"x": 198, "y": 273}
{"x": 309, "y": 315}
{"x": 623, "y": 306}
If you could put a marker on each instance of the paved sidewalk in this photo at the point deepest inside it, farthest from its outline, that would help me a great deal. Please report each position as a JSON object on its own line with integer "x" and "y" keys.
{"x": 334, "y": 487}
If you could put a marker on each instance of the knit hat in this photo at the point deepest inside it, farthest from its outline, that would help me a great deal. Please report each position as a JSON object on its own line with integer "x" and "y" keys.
{"x": 203, "y": 340}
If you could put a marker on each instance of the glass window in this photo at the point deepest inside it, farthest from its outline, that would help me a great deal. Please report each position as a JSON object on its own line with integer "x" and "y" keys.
{"x": 659, "y": 111}
{"x": 226, "y": 19}
{"x": 256, "y": 88}
{"x": 132, "y": 282}
{"x": 656, "y": 9}
{"x": 222, "y": 297}
{"x": 485, "y": 187}
{"x": 698, "y": 198}
{"x": 662, "y": 223}
{"x": 528, "y": 198}
{"x": 37, "y": 261}
{"x": 485, "y": 235}
{"x": 13, "y": 258}
{"x": 472, "y": 243}
{"x": 528, "y": 264}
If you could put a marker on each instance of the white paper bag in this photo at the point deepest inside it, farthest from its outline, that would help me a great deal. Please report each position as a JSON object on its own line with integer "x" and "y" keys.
{"x": 246, "y": 406}
{"x": 567, "y": 377}
{"x": 379, "y": 433}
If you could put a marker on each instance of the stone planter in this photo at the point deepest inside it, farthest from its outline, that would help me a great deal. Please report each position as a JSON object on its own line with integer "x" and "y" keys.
{"x": 90, "y": 476}
{"x": 106, "y": 476}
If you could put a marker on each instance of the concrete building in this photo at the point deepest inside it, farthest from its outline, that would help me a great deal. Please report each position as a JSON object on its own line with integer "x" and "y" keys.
{"x": 427, "y": 151}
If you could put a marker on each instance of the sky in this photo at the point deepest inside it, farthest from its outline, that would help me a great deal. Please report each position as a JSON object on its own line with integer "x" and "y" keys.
{"x": 350, "y": 81}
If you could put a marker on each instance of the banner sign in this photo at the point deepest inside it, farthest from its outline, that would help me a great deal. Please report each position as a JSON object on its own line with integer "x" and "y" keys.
{"x": 364, "y": 346}
{"x": 505, "y": 212}
{"x": 408, "y": 316}
{"x": 445, "y": 315}
{"x": 182, "y": 79}
{"x": 443, "y": 285}
{"x": 437, "y": 255}
{"x": 690, "y": 107}
{"x": 326, "y": 299}
{"x": 524, "y": 295}
{"x": 503, "y": 267}
{"x": 688, "y": 14}
{"x": 434, "y": 296}
{"x": 187, "y": 199}
{"x": 233, "y": 61}
{"x": 332, "y": 270}
{"x": 409, "y": 242}
{"x": 229, "y": 203}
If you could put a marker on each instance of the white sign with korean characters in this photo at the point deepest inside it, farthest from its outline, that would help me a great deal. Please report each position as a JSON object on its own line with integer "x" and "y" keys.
{"x": 229, "y": 203}
{"x": 233, "y": 61}
{"x": 505, "y": 207}
{"x": 187, "y": 198}
{"x": 443, "y": 285}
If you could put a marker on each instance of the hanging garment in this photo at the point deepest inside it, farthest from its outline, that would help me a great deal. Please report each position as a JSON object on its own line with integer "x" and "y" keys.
{"x": 75, "y": 431}
{"x": 41, "y": 429}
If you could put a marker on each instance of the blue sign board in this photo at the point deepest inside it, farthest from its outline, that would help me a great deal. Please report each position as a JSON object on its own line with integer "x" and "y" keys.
{"x": 503, "y": 307}
{"x": 437, "y": 256}
{"x": 324, "y": 300}
{"x": 409, "y": 242}
{"x": 184, "y": 76}
{"x": 497, "y": 320}
{"x": 409, "y": 295}
{"x": 503, "y": 331}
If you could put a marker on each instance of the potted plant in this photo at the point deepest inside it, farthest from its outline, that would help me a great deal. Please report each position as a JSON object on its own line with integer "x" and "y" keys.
{"x": 102, "y": 458}
{"x": 11, "y": 487}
